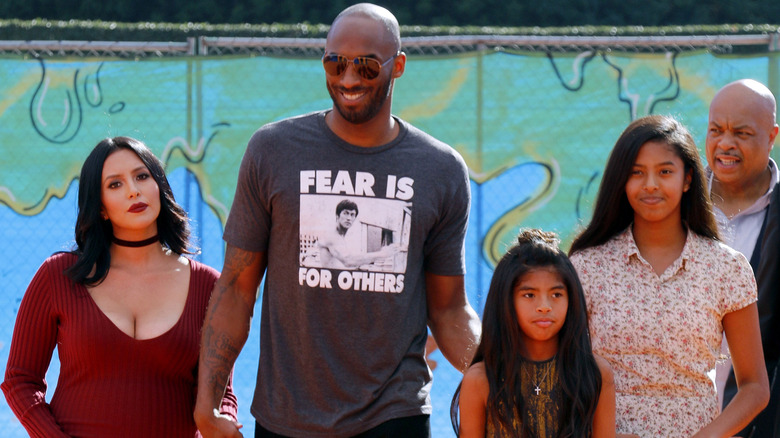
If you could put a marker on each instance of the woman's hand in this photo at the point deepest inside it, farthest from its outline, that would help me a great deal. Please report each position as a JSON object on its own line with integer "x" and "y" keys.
{"x": 218, "y": 425}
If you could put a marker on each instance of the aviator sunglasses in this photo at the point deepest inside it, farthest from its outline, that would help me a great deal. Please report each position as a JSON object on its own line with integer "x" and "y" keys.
{"x": 367, "y": 68}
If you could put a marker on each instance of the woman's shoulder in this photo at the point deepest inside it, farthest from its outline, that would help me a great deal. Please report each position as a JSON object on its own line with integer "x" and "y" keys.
{"x": 59, "y": 261}
{"x": 617, "y": 241}
{"x": 62, "y": 257}
{"x": 202, "y": 268}
{"x": 202, "y": 274}
{"x": 475, "y": 380}
{"x": 717, "y": 250}
{"x": 724, "y": 268}
{"x": 476, "y": 371}
{"x": 50, "y": 278}
{"x": 596, "y": 255}
{"x": 607, "y": 376}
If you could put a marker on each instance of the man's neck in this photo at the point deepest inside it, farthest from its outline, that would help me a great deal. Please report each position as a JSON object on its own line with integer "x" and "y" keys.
{"x": 378, "y": 131}
{"x": 733, "y": 198}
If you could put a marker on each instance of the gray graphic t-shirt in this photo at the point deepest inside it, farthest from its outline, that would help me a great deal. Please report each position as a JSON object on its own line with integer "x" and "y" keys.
{"x": 349, "y": 232}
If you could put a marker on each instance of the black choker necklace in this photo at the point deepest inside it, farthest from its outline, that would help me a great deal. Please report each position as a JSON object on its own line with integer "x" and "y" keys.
{"x": 136, "y": 244}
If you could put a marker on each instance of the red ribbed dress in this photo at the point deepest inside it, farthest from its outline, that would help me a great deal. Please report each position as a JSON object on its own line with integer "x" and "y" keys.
{"x": 110, "y": 385}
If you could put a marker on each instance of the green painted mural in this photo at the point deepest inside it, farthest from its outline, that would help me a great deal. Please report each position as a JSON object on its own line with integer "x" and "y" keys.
{"x": 534, "y": 128}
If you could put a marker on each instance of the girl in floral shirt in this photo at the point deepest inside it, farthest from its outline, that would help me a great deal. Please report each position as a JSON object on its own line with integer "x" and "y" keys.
{"x": 662, "y": 290}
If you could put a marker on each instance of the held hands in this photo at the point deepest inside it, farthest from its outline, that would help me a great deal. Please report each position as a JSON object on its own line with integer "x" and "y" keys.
{"x": 218, "y": 426}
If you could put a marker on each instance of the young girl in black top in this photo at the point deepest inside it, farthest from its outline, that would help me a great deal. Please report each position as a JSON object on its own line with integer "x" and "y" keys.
{"x": 534, "y": 374}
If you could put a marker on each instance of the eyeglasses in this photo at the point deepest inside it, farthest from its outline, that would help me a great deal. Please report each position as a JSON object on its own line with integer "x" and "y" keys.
{"x": 367, "y": 68}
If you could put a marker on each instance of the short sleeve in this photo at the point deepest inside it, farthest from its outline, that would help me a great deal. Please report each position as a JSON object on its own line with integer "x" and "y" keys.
{"x": 739, "y": 284}
{"x": 249, "y": 222}
{"x": 445, "y": 244}
{"x": 579, "y": 261}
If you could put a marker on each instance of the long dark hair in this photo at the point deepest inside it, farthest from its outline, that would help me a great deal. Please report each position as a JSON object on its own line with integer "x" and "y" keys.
{"x": 93, "y": 233}
{"x": 613, "y": 213}
{"x": 502, "y": 340}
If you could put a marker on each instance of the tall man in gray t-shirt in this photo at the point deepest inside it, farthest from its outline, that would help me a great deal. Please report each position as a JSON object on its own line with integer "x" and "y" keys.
{"x": 342, "y": 347}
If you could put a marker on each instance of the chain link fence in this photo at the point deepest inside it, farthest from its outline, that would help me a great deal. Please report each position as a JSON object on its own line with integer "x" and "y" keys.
{"x": 534, "y": 117}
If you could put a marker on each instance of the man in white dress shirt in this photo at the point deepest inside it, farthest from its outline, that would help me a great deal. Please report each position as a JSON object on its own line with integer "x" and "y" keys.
{"x": 745, "y": 191}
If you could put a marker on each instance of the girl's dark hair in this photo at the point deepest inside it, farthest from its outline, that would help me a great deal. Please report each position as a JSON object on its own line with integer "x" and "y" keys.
{"x": 502, "y": 340}
{"x": 613, "y": 214}
{"x": 93, "y": 233}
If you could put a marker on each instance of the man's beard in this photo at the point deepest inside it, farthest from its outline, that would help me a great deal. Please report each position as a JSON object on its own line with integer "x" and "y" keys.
{"x": 367, "y": 112}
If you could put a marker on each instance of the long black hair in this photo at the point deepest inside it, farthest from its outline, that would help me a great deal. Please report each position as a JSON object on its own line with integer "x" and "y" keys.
{"x": 613, "y": 213}
{"x": 93, "y": 233}
{"x": 502, "y": 340}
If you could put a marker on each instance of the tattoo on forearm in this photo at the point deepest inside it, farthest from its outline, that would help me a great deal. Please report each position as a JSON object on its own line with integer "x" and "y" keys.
{"x": 219, "y": 352}
{"x": 236, "y": 260}
{"x": 221, "y": 343}
{"x": 225, "y": 344}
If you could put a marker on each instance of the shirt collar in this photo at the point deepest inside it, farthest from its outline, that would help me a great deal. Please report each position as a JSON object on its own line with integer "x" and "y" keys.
{"x": 627, "y": 244}
{"x": 629, "y": 250}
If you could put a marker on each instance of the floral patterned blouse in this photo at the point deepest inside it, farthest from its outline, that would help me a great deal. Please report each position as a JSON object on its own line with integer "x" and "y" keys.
{"x": 662, "y": 334}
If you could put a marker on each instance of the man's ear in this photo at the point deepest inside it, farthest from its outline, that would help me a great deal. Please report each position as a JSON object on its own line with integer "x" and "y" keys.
{"x": 399, "y": 65}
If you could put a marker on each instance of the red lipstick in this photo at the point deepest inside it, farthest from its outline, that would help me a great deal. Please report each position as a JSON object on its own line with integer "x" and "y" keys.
{"x": 138, "y": 207}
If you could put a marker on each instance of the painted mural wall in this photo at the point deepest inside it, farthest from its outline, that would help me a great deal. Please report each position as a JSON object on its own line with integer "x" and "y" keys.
{"x": 534, "y": 129}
